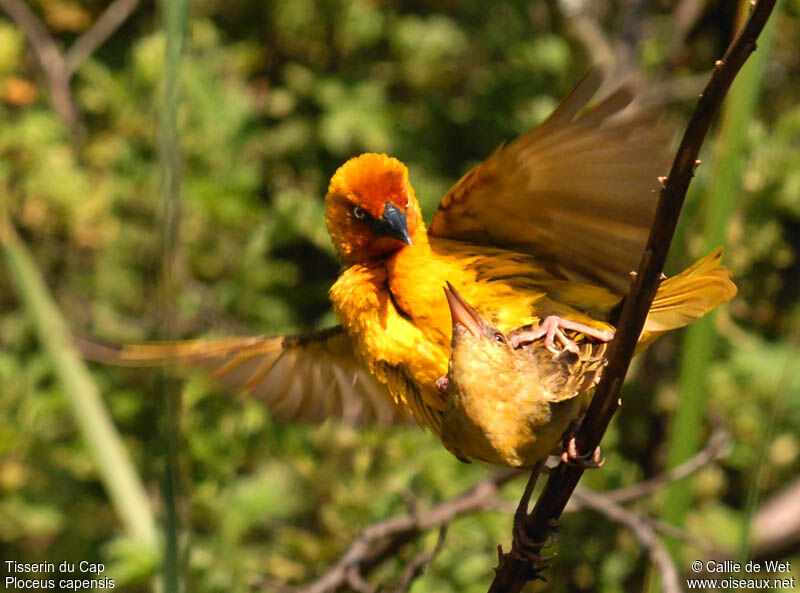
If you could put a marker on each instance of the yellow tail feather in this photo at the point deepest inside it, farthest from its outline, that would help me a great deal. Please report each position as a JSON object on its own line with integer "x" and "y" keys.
{"x": 688, "y": 296}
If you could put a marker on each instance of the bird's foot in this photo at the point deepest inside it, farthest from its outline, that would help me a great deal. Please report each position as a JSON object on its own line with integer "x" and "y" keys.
{"x": 550, "y": 328}
{"x": 523, "y": 547}
{"x": 570, "y": 455}
{"x": 442, "y": 384}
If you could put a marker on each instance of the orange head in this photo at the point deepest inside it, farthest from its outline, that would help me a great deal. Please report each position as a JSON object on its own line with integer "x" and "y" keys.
{"x": 371, "y": 208}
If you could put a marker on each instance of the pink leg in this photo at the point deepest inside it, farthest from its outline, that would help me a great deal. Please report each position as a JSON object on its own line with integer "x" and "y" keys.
{"x": 550, "y": 328}
{"x": 442, "y": 384}
{"x": 570, "y": 455}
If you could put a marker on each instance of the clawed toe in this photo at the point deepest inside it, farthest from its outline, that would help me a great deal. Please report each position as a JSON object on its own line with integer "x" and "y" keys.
{"x": 443, "y": 384}
{"x": 527, "y": 550}
{"x": 552, "y": 334}
{"x": 551, "y": 330}
{"x": 524, "y": 548}
{"x": 570, "y": 456}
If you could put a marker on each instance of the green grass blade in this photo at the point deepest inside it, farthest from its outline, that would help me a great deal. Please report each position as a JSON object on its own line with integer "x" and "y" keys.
{"x": 114, "y": 466}
{"x": 175, "y": 15}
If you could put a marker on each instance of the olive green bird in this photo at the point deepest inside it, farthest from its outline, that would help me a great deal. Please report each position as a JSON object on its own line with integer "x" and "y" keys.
{"x": 513, "y": 401}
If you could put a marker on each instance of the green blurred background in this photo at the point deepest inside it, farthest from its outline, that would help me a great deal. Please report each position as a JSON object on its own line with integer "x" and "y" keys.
{"x": 273, "y": 97}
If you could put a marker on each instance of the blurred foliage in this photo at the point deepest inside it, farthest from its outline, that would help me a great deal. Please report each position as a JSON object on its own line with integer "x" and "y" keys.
{"x": 274, "y": 97}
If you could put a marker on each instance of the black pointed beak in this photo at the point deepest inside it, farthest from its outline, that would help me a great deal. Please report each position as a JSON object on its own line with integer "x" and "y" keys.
{"x": 393, "y": 224}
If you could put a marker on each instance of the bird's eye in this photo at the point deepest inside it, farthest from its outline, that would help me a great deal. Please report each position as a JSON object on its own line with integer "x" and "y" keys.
{"x": 359, "y": 212}
{"x": 498, "y": 337}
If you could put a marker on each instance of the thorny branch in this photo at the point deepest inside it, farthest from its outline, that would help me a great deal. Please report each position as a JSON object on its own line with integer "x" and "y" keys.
{"x": 380, "y": 541}
{"x": 58, "y": 67}
{"x": 512, "y": 573}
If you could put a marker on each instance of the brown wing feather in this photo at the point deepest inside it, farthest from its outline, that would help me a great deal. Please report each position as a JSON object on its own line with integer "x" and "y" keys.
{"x": 578, "y": 190}
{"x": 310, "y": 377}
{"x": 566, "y": 374}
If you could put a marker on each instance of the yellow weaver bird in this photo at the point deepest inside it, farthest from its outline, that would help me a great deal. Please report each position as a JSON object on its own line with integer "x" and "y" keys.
{"x": 545, "y": 232}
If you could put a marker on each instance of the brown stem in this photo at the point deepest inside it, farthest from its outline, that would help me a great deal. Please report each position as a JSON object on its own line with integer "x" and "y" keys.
{"x": 381, "y": 540}
{"x": 50, "y": 59}
{"x": 58, "y": 67}
{"x": 105, "y": 25}
{"x": 717, "y": 442}
{"x": 512, "y": 573}
{"x": 644, "y": 532}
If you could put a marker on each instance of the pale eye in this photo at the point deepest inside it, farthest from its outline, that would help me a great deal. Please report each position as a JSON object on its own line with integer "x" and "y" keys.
{"x": 359, "y": 212}
{"x": 498, "y": 337}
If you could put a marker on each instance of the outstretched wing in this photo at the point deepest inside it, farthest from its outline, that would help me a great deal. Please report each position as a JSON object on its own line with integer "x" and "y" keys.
{"x": 577, "y": 191}
{"x": 309, "y": 377}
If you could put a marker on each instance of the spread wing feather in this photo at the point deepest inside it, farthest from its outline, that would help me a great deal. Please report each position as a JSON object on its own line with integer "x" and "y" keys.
{"x": 578, "y": 190}
{"x": 688, "y": 296}
{"x": 310, "y": 377}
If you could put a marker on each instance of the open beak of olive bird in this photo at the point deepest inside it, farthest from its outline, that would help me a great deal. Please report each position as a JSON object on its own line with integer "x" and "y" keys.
{"x": 542, "y": 234}
{"x": 462, "y": 313}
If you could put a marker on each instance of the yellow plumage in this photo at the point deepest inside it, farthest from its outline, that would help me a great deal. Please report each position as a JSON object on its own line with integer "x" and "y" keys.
{"x": 551, "y": 225}
{"x": 395, "y": 313}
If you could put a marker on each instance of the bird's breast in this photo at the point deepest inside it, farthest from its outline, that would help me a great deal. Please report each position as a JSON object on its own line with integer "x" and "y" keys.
{"x": 500, "y": 413}
{"x": 395, "y": 349}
